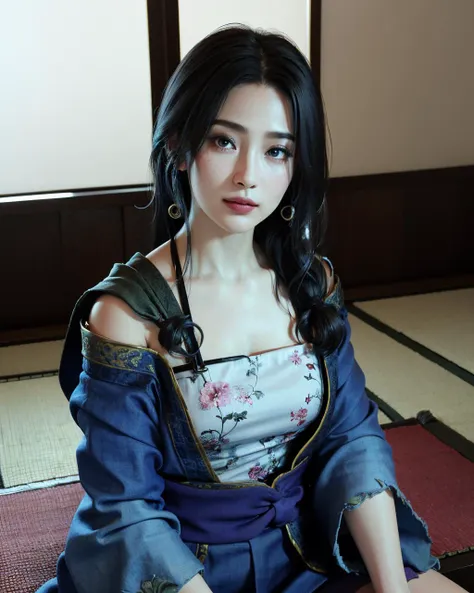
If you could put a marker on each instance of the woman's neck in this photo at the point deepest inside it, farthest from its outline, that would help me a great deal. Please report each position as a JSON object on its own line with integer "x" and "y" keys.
{"x": 217, "y": 255}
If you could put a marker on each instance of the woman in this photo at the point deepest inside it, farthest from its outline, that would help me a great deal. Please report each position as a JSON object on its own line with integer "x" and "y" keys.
{"x": 229, "y": 445}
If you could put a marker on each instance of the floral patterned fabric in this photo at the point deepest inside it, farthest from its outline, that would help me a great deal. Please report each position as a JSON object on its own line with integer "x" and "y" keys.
{"x": 247, "y": 410}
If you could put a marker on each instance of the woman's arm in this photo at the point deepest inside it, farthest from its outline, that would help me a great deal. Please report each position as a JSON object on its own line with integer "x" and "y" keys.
{"x": 353, "y": 467}
{"x": 373, "y": 525}
{"x": 122, "y": 535}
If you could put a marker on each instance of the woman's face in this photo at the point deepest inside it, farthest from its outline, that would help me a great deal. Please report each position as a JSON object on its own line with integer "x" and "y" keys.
{"x": 245, "y": 165}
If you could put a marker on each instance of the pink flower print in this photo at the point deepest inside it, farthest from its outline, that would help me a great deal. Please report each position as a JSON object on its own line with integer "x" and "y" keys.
{"x": 243, "y": 397}
{"x": 257, "y": 472}
{"x": 300, "y": 416}
{"x": 295, "y": 358}
{"x": 210, "y": 444}
{"x": 214, "y": 395}
{"x": 309, "y": 397}
{"x": 214, "y": 444}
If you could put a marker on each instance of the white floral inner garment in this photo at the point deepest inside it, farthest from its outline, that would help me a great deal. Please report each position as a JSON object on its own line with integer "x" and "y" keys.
{"x": 247, "y": 410}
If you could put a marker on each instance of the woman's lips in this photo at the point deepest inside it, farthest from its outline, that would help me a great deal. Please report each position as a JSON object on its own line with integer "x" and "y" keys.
{"x": 240, "y": 205}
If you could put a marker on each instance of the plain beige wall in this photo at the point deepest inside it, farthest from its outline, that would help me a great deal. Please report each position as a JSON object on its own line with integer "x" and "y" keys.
{"x": 75, "y": 106}
{"x": 75, "y": 99}
{"x": 398, "y": 82}
{"x": 75, "y": 111}
{"x": 198, "y": 18}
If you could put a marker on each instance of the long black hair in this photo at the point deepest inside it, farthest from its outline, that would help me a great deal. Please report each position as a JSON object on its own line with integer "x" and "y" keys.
{"x": 231, "y": 56}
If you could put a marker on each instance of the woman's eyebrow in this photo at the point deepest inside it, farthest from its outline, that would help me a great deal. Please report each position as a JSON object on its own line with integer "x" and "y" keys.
{"x": 242, "y": 129}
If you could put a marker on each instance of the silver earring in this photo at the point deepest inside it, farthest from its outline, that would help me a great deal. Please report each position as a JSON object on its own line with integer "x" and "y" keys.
{"x": 287, "y": 213}
{"x": 174, "y": 212}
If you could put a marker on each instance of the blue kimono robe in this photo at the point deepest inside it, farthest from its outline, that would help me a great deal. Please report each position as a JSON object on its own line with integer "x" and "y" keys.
{"x": 155, "y": 514}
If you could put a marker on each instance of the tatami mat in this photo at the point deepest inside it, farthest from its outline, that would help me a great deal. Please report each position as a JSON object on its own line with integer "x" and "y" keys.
{"x": 38, "y": 437}
{"x": 409, "y": 382}
{"x": 30, "y": 358}
{"x": 441, "y": 321}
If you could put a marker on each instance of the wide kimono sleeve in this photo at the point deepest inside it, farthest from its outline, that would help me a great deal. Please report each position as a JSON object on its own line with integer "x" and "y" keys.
{"x": 122, "y": 534}
{"x": 355, "y": 463}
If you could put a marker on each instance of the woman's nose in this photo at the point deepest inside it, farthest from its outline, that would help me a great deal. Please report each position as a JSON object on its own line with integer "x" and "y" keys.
{"x": 245, "y": 172}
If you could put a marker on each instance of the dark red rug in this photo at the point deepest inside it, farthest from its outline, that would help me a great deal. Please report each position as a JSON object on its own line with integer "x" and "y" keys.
{"x": 436, "y": 478}
{"x": 439, "y": 482}
{"x": 33, "y": 529}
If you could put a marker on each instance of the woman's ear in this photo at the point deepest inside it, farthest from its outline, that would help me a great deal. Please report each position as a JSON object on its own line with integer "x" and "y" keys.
{"x": 182, "y": 166}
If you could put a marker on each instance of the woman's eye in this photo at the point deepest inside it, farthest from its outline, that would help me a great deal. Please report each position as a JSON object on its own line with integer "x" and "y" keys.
{"x": 222, "y": 142}
{"x": 278, "y": 152}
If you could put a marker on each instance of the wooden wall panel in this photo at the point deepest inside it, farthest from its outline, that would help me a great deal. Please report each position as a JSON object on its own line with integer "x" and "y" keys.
{"x": 138, "y": 230}
{"x": 52, "y": 250}
{"x": 364, "y": 237}
{"x": 30, "y": 256}
{"x": 402, "y": 226}
{"x": 383, "y": 230}
{"x": 438, "y": 227}
{"x": 92, "y": 241}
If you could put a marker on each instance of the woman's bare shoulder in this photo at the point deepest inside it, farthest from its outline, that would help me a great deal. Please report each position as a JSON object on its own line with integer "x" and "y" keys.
{"x": 113, "y": 318}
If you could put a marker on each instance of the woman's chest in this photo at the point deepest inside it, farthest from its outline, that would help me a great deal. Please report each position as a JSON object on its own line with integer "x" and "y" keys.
{"x": 242, "y": 324}
{"x": 245, "y": 411}
{"x": 237, "y": 320}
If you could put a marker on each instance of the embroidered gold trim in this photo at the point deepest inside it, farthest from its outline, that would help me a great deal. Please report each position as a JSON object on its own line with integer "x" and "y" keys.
{"x": 107, "y": 355}
{"x": 201, "y": 552}
{"x": 288, "y": 472}
{"x": 328, "y": 400}
{"x": 335, "y": 297}
{"x": 101, "y": 350}
{"x": 184, "y": 407}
